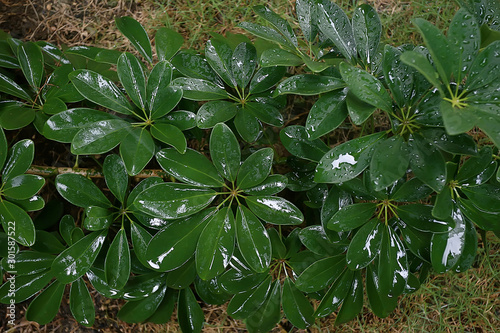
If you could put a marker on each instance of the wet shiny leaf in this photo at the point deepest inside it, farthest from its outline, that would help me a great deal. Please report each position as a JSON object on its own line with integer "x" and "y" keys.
{"x": 45, "y": 306}
{"x": 255, "y": 169}
{"x": 214, "y": 112}
{"x": 296, "y": 306}
{"x": 132, "y": 78}
{"x": 116, "y": 176}
{"x": 199, "y": 89}
{"x": 117, "y": 263}
{"x": 352, "y": 216}
{"x": 137, "y": 149}
{"x": 296, "y": 140}
{"x": 167, "y": 42}
{"x": 100, "y": 138}
{"x": 189, "y": 313}
{"x": 17, "y": 223}
{"x": 31, "y": 61}
{"x": 275, "y": 210}
{"x": 243, "y": 63}
{"x": 365, "y": 245}
{"x": 353, "y": 302}
{"x": 80, "y": 191}
{"x": 389, "y": 162}
{"x": 309, "y": 85}
{"x": 393, "y": 266}
{"x": 320, "y": 274}
{"x": 225, "y": 151}
{"x": 81, "y": 303}
{"x": 134, "y": 31}
{"x": 328, "y": 113}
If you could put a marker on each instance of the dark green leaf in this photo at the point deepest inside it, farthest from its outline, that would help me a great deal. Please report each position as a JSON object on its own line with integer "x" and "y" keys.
{"x": 225, "y": 151}
{"x": 469, "y": 250}
{"x": 266, "y": 78}
{"x": 136, "y": 150}
{"x": 164, "y": 311}
{"x": 189, "y": 313}
{"x": 23, "y": 186}
{"x": 458, "y": 120}
{"x": 336, "y": 294}
{"x": 268, "y": 314}
{"x": 367, "y": 30}
{"x": 117, "y": 262}
{"x": 211, "y": 291}
{"x": 81, "y": 303}
{"x": 116, "y": 176}
{"x": 296, "y": 140}
{"x": 191, "y": 167}
{"x": 132, "y": 78}
{"x": 181, "y": 119}
{"x": 352, "y": 216}
{"x": 219, "y": 55}
{"x": 365, "y": 245}
{"x": 486, "y": 197}
{"x": 380, "y": 303}
{"x": 389, "y": 162}
{"x": 134, "y": 31}
{"x": 427, "y": 163}
{"x": 17, "y": 223}
{"x": 4, "y": 148}
{"x": 171, "y": 135}
{"x": 28, "y": 262}
{"x": 195, "y": 66}
{"x": 25, "y": 286}
{"x": 253, "y": 240}
{"x": 248, "y": 127}
{"x": 161, "y": 97}
{"x": 100, "y": 90}
{"x": 484, "y": 220}
{"x": 9, "y": 86}
{"x": 327, "y": 114}
{"x": 15, "y": 115}
{"x": 309, "y": 85}
{"x": 19, "y": 159}
{"x": 398, "y": 76}
{"x": 353, "y": 302}
{"x": 213, "y": 112}
{"x": 316, "y": 240}
{"x": 76, "y": 260}
{"x": 97, "y": 218}
{"x": 167, "y": 42}
{"x": 266, "y": 33}
{"x": 279, "y": 57}
{"x": 277, "y": 22}
{"x": 173, "y": 200}
{"x": 306, "y": 15}
{"x": 465, "y": 37}
{"x": 80, "y": 191}
{"x": 296, "y": 306}
{"x": 270, "y": 186}
{"x": 199, "y": 89}
{"x": 140, "y": 310}
{"x": 247, "y": 302}
{"x": 255, "y": 169}
{"x": 412, "y": 190}
{"x": 393, "y": 266}
{"x": 47, "y": 242}
{"x": 31, "y": 61}
{"x": 265, "y": 112}
{"x": 320, "y": 274}
{"x": 421, "y": 63}
{"x": 45, "y": 306}
{"x": 243, "y": 63}
{"x": 485, "y": 67}
{"x": 275, "y": 210}
{"x": 99, "y": 138}
{"x": 420, "y": 217}
{"x": 454, "y": 144}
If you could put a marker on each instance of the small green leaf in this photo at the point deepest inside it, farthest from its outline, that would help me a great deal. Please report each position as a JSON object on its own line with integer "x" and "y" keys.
{"x": 195, "y": 66}
{"x": 336, "y": 294}
{"x": 485, "y": 67}
{"x": 171, "y": 135}
{"x": 352, "y": 216}
{"x": 253, "y": 240}
{"x": 99, "y": 138}
{"x": 316, "y": 240}
{"x": 266, "y": 78}
{"x": 116, "y": 176}
{"x": 421, "y": 63}
{"x": 9, "y": 86}
{"x": 243, "y": 63}
{"x": 15, "y": 115}
{"x": 199, "y": 89}
{"x": 389, "y": 162}
{"x": 189, "y": 313}
{"x": 458, "y": 120}
{"x": 255, "y": 169}
{"x": 296, "y": 306}
{"x": 181, "y": 119}
{"x": 268, "y": 314}
{"x": 225, "y": 151}
{"x": 80, "y": 191}
{"x": 134, "y": 31}
{"x": 4, "y": 148}
{"x": 140, "y": 310}
{"x": 367, "y": 30}
{"x": 309, "y": 85}
{"x": 365, "y": 245}
{"x": 306, "y": 14}
{"x": 137, "y": 149}
{"x": 191, "y": 167}
{"x": 245, "y": 303}
{"x": 486, "y": 197}
{"x": 117, "y": 261}
{"x": 420, "y": 217}
{"x": 31, "y": 61}
{"x": 265, "y": 112}
{"x": 297, "y": 141}
{"x": 19, "y": 159}
{"x": 380, "y": 303}
{"x": 132, "y": 78}
{"x": 320, "y": 274}
{"x": 398, "y": 75}
{"x": 23, "y": 186}
{"x": 219, "y": 55}
{"x": 100, "y": 90}
{"x": 81, "y": 303}
{"x": 248, "y": 126}
{"x": 97, "y": 218}
{"x": 279, "y": 57}
{"x": 277, "y": 22}
{"x": 173, "y": 200}
{"x": 165, "y": 309}
{"x": 45, "y": 306}
{"x": 464, "y": 36}
{"x": 275, "y": 210}
{"x": 216, "y": 244}
{"x": 76, "y": 260}
{"x": 393, "y": 268}
{"x": 266, "y": 33}
{"x": 353, "y": 302}
{"x": 327, "y": 114}
{"x": 270, "y": 186}
{"x": 25, "y": 287}
{"x": 161, "y": 97}
{"x": 167, "y": 42}
{"x": 462, "y": 144}
{"x": 214, "y": 112}
{"x": 427, "y": 163}
{"x": 17, "y": 223}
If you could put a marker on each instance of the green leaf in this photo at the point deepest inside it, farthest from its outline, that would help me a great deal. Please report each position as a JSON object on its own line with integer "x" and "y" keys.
{"x": 464, "y": 36}
{"x": 189, "y": 313}
{"x": 275, "y": 210}
{"x": 97, "y": 218}
{"x": 19, "y": 159}
{"x": 336, "y": 294}
{"x": 167, "y": 42}
{"x": 255, "y": 169}
{"x": 117, "y": 263}
{"x": 486, "y": 197}
{"x": 15, "y": 115}
{"x": 485, "y": 67}
{"x": 484, "y": 220}
{"x": 100, "y": 138}
{"x": 17, "y": 223}
{"x": 367, "y": 30}
{"x": 199, "y": 89}
{"x": 352, "y": 216}
{"x": 173, "y": 200}
{"x": 421, "y": 63}
{"x": 412, "y": 190}
{"x": 470, "y": 248}
{"x": 225, "y": 151}
{"x": 140, "y": 238}
{"x": 393, "y": 267}
{"x": 191, "y": 167}
{"x": 134, "y": 31}
{"x": 63, "y": 127}
{"x": 116, "y": 176}
{"x": 136, "y": 150}
{"x": 353, "y": 302}
{"x": 132, "y": 78}
{"x": 81, "y": 303}
{"x": 443, "y": 206}
{"x": 309, "y": 85}
{"x": 76, "y": 260}
{"x": 181, "y": 119}
{"x": 268, "y": 314}
{"x": 458, "y": 120}
{"x": 25, "y": 287}
{"x": 80, "y": 191}
{"x": 47, "y": 242}
{"x": 381, "y": 304}
{"x": 165, "y": 309}
{"x": 245, "y": 303}
{"x": 253, "y": 240}
{"x": 279, "y": 57}
{"x": 335, "y": 25}
{"x": 316, "y": 240}
{"x": 4, "y": 148}
{"x": 266, "y": 33}
{"x": 171, "y": 135}
{"x": 219, "y": 55}
{"x": 211, "y": 291}
{"x": 45, "y": 306}
{"x": 389, "y": 162}
{"x": 31, "y": 61}
{"x": 296, "y": 306}
{"x": 297, "y": 141}
{"x": 100, "y": 90}
{"x": 320, "y": 274}
{"x": 28, "y": 262}
{"x": 140, "y": 310}
{"x": 243, "y": 63}
{"x": 266, "y": 78}
{"x": 161, "y": 97}
{"x": 195, "y": 66}
{"x": 327, "y": 114}
{"x": 248, "y": 126}
{"x": 306, "y": 14}
{"x": 174, "y": 245}
{"x": 264, "y": 112}
{"x": 216, "y": 245}
{"x": 365, "y": 245}
{"x": 277, "y": 22}
{"x": 347, "y": 160}
{"x": 23, "y": 186}
{"x": 420, "y": 217}
{"x": 427, "y": 163}
{"x": 270, "y": 186}
{"x": 9, "y": 86}
{"x": 366, "y": 87}
{"x": 214, "y": 112}
{"x": 472, "y": 168}
{"x": 462, "y": 144}
{"x": 398, "y": 76}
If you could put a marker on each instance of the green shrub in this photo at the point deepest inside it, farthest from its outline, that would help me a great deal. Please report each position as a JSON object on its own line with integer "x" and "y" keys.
{"x": 241, "y": 219}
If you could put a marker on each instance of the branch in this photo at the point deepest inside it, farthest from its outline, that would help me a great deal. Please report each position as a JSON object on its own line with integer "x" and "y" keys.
{"x": 46, "y": 171}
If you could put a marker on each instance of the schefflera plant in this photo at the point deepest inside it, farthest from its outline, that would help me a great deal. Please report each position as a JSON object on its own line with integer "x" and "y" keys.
{"x": 233, "y": 87}
{"x": 465, "y": 76}
{"x": 245, "y": 194}
{"x": 18, "y": 191}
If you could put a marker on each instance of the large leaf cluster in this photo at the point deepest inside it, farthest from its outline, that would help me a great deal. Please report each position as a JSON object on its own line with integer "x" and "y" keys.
{"x": 266, "y": 222}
